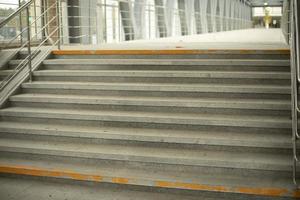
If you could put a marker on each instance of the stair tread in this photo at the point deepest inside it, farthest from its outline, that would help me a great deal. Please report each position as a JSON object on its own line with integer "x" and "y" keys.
{"x": 5, "y": 72}
{"x": 159, "y": 86}
{"x": 138, "y": 153}
{"x": 155, "y": 101}
{"x": 162, "y": 73}
{"x": 153, "y": 117}
{"x": 138, "y": 176}
{"x": 249, "y": 139}
{"x": 280, "y": 62}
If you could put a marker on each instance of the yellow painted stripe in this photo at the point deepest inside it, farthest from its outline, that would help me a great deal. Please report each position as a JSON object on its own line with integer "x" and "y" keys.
{"x": 71, "y": 174}
{"x": 169, "y": 52}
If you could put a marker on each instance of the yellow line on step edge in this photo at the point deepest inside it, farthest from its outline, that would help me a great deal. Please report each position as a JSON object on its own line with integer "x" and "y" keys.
{"x": 70, "y": 174}
{"x": 170, "y": 52}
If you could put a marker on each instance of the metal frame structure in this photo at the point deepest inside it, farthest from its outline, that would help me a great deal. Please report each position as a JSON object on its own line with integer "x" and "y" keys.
{"x": 148, "y": 19}
{"x": 295, "y": 80}
{"x": 26, "y": 42}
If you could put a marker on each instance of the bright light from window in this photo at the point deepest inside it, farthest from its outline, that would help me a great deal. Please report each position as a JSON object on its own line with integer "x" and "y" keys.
{"x": 274, "y": 11}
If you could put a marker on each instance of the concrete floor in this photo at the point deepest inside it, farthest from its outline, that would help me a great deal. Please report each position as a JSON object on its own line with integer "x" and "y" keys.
{"x": 238, "y": 39}
{"x": 34, "y": 188}
{"x": 37, "y": 189}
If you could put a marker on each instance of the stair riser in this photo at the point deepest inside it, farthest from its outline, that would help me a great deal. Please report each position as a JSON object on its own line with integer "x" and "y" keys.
{"x": 162, "y": 80}
{"x": 24, "y": 54}
{"x": 99, "y": 92}
{"x": 146, "y": 165}
{"x": 199, "y": 56}
{"x": 167, "y": 108}
{"x": 164, "y": 67}
{"x": 174, "y": 126}
{"x": 37, "y": 135}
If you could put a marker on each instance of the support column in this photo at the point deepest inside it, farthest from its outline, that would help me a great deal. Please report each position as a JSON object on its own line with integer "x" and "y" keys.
{"x": 227, "y": 14}
{"x": 127, "y": 19}
{"x": 241, "y": 14}
{"x": 218, "y": 16}
{"x": 209, "y": 16}
{"x": 233, "y": 9}
{"x": 222, "y": 15}
{"x": 169, "y": 10}
{"x": 74, "y": 23}
{"x": 197, "y": 16}
{"x": 213, "y": 8}
{"x": 160, "y": 18}
{"x": 65, "y": 22}
{"x": 182, "y": 17}
{"x": 190, "y": 16}
{"x": 100, "y": 20}
{"x": 203, "y": 14}
{"x": 139, "y": 17}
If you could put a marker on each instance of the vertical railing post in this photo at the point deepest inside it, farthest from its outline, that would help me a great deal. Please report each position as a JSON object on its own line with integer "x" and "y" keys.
{"x": 58, "y": 23}
{"x": 35, "y": 21}
{"x": 29, "y": 44}
{"x": 20, "y": 24}
{"x": 149, "y": 20}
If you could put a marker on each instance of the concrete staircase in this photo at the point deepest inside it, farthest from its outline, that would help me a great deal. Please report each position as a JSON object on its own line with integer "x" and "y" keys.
{"x": 8, "y": 68}
{"x": 214, "y": 123}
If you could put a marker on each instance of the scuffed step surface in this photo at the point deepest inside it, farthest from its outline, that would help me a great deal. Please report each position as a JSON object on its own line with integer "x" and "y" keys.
{"x": 148, "y": 117}
{"x": 243, "y": 139}
{"x": 137, "y": 153}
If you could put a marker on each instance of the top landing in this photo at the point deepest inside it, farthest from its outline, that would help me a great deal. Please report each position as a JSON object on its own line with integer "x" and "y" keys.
{"x": 243, "y": 40}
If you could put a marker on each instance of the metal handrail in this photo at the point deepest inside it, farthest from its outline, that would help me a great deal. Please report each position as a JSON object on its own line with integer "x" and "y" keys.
{"x": 295, "y": 80}
{"x": 16, "y": 13}
{"x": 27, "y": 61}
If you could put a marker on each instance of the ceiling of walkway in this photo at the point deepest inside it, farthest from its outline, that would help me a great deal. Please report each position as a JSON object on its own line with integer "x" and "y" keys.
{"x": 270, "y": 2}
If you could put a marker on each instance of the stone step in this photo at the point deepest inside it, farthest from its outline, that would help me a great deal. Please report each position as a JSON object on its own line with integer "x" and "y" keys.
{"x": 158, "y": 64}
{"x": 155, "y": 104}
{"x": 156, "y": 155}
{"x": 144, "y": 175}
{"x": 240, "y": 141}
{"x": 162, "y": 90}
{"x": 162, "y": 76}
{"x": 156, "y": 118}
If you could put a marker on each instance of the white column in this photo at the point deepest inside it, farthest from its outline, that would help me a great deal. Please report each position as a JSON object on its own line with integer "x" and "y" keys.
{"x": 227, "y": 14}
{"x": 241, "y": 14}
{"x": 99, "y": 22}
{"x": 169, "y": 9}
{"x": 139, "y": 18}
{"x": 65, "y": 22}
{"x": 203, "y": 13}
{"x": 213, "y": 14}
{"x": 222, "y": 15}
{"x": 189, "y": 11}
{"x": 232, "y": 14}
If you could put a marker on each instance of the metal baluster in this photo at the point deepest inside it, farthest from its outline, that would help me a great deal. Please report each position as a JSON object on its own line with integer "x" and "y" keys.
{"x": 149, "y": 18}
{"x": 35, "y": 23}
{"x": 119, "y": 24}
{"x": 29, "y": 45}
{"x": 58, "y": 23}
{"x": 20, "y": 24}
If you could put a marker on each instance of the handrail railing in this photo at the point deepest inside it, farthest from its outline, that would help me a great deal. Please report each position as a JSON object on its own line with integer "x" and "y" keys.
{"x": 16, "y": 13}
{"x": 295, "y": 80}
{"x": 26, "y": 31}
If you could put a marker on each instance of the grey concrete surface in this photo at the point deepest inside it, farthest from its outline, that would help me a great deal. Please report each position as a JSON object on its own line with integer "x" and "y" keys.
{"x": 238, "y": 39}
{"x": 25, "y": 188}
{"x": 234, "y": 133}
{"x": 12, "y": 188}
